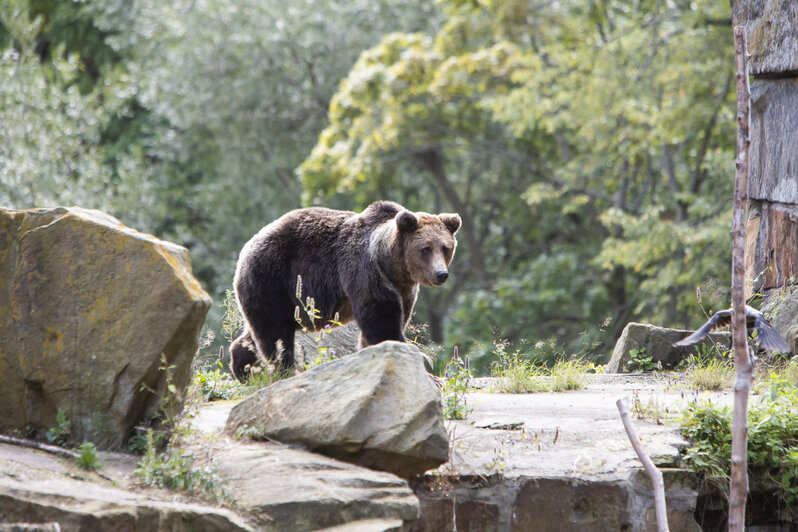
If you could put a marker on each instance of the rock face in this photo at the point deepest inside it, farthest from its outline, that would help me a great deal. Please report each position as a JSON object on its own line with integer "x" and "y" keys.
{"x": 89, "y": 309}
{"x": 555, "y": 503}
{"x": 36, "y": 487}
{"x": 291, "y": 489}
{"x": 377, "y": 408}
{"x": 341, "y": 341}
{"x": 658, "y": 344}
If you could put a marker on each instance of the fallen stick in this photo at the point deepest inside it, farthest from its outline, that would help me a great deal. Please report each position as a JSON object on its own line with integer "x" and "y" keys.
{"x": 654, "y": 473}
{"x": 52, "y": 449}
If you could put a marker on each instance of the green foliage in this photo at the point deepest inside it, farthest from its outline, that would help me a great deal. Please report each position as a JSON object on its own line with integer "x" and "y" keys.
{"x": 455, "y": 387}
{"x": 772, "y": 440}
{"x": 176, "y": 470}
{"x": 88, "y": 458}
{"x": 232, "y": 320}
{"x": 711, "y": 368}
{"x": 585, "y": 147}
{"x": 640, "y": 361}
{"x": 516, "y": 373}
{"x": 182, "y": 119}
{"x": 217, "y": 385}
{"x": 265, "y": 377}
{"x": 62, "y": 432}
{"x": 519, "y": 373}
{"x": 522, "y": 117}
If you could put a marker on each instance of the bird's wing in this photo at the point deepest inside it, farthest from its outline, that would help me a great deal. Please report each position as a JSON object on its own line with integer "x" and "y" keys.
{"x": 768, "y": 337}
{"x": 719, "y": 319}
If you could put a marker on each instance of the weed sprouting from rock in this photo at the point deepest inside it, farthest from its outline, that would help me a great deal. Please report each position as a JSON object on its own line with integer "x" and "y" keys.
{"x": 455, "y": 387}
{"x": 61, "y": 433}
{"x": 88, "y": 459}
{"x": 518, "y": 374}
{"x": 176, "y": 470}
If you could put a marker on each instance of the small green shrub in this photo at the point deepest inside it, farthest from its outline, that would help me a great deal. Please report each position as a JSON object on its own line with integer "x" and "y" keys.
{"x": 711, "y": 368}
{"x": 88, "y": 459}
{"x": 217, "y": 384}
{"x": 517, "y": 374}
{"x": 514, "y": 373}
{"x": 569, "y": 374}
{"x": 265, "y": 377}
{"x": 455, "y": 386}
{"x": 772, "y": 440}
{"x": 640, "y": 361}
{"x": 176, "y": 471}
{"x": 60, "y": 434}
{"x": 232, "y": 320}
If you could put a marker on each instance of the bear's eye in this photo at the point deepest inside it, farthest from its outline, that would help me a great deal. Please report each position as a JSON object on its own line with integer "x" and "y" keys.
{"x": 426, "y": 251}
{"x": 445, "y": 251}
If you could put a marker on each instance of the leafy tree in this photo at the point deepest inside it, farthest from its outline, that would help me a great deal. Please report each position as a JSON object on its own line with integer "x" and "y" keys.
{"x": 184, "y": 119}
{"x": 583, "y": 144}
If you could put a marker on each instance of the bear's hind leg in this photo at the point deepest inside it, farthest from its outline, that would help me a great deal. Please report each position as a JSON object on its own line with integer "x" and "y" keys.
{"x": 243, "y": 356}
{"x": 275, "y": 341}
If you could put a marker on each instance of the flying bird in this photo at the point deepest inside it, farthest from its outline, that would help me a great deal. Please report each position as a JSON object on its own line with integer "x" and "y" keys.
{"x": 766, "y": 335}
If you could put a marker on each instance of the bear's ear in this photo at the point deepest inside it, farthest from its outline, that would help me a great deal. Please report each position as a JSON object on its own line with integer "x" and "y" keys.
{"x": 406, "y": 221}
{"x": 451, "y": 221}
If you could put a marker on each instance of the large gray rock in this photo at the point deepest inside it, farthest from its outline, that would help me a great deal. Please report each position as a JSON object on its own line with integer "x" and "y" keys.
{"x": 338, "y": 341}
{"x": 377, "y": 408}
{"x": 291, "y": 489}
{"x": 658, "y": 344}
{"x": 89, "y": 309}
{"x": 36, "y": 487}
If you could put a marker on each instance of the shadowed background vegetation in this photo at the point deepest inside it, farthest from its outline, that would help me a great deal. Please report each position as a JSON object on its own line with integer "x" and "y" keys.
{"x": 588, "y": 146}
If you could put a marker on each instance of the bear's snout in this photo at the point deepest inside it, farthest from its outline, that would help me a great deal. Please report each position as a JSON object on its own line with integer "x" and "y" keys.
{"x": 441, "y": 276}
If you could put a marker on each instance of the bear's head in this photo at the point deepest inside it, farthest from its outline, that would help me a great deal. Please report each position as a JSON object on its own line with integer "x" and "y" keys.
{"x": 428, "y": 244}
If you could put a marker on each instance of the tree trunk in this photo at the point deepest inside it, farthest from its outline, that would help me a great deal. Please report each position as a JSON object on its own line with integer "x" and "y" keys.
{"x": 738, "y": 485}
{"x": 432, "y": 160}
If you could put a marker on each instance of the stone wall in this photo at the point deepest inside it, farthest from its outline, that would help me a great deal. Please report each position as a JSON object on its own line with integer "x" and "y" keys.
{"x": 772, "y": 232}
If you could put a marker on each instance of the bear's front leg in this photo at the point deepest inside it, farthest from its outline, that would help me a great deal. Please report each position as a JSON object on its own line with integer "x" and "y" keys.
{"x": 379, "y": 319}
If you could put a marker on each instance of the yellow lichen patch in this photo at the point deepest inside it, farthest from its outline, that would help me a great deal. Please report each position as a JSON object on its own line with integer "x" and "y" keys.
{"x": 53, "y": 340}
{"x": 98, "y": 311}
{"x": 189, "y": 282}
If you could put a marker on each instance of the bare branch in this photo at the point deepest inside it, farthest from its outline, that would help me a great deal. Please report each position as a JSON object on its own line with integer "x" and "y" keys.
{"x": 655, "y": 474}
{"x": 738, "y": 485}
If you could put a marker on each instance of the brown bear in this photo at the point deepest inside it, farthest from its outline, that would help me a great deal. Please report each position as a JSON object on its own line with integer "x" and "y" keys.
{"x": 365, "y": 267}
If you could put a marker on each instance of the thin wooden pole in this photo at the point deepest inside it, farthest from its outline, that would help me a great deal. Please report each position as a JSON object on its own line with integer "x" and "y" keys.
{"x": 655, "y": 474}
{"x": 738, "y": 484}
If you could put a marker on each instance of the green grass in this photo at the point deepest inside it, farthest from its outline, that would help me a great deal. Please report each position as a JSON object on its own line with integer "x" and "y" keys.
{"x": 88, "y": 459}
{"x": 515, "y": 373}
{"x": 772, "y": 440}
{"x": 713, "y": 375}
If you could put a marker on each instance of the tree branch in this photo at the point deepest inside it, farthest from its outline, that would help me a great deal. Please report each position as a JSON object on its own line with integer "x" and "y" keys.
{"x": 655, "y": 474}
{"x": 738, "y": 485}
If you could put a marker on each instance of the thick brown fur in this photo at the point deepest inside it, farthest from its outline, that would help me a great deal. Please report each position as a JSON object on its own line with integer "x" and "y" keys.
{"x": 365, "y": 267}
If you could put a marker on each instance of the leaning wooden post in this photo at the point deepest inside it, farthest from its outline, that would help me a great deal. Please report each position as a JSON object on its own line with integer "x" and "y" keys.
{"x": 655, "y": 474}
{"x": 738, "y": 485}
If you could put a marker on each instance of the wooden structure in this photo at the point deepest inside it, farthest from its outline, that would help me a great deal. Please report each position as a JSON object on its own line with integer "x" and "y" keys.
{"x": 772, "y": 227}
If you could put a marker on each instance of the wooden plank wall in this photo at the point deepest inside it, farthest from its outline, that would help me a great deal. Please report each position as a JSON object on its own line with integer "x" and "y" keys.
{"x": 772, "y": 228}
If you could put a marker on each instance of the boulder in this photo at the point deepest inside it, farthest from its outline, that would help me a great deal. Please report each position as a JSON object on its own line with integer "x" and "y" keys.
{"x": 781, "y": 310}
{"x": 38, "y": 487}
{"x": 658, "y": 344}
{"x": 377, "y": 408}
{"x": 338, "y": 341}
{"x": 89, "y": 312}
{"x": 292, "y": 489}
